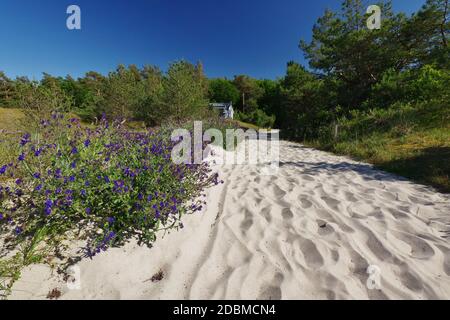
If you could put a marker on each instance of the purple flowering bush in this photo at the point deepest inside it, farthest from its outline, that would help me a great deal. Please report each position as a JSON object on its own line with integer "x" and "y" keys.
{"x": 106, "y": 184}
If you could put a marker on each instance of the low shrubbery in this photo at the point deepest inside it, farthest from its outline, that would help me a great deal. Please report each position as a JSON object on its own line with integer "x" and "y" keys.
{"x": 257, "y": 117}
{"x": 411, "y": 86}
{"x": 103, "y": 184}
{"x": 411, "y": 139}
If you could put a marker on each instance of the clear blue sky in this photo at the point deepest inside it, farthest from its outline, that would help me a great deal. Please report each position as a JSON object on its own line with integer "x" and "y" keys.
{"x": 255, "y": 37}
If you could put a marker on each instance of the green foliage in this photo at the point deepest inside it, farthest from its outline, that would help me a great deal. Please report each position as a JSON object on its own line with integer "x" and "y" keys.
{"x": 255, "y": 101}
{"x": 353, "y": 71}
{"x": 9, "y": 273}
{"x": 38, "y": 100}
{"x": 123, "y": 92}
{"x": 270, "y": 99}
{"x": 413, "y": 85}
{"x": 128, "y": 92}
{"x": 185, "y": 91}
{"x": 303, "y": 105}
{"x": 412, "y": 140}
{"x": 6, "y": 90}
{"x": 223, "y": 90}
{"x": 343, "y": 48}
{"x": 149, "y": 109}
{"x": 258, "y": 118}
{"x": 106, "y": 185}
{"x": 250, "y": 92}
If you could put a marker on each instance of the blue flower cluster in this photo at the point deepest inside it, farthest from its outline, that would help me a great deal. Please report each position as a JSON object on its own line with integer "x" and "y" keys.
{"x": 109, "y": 179}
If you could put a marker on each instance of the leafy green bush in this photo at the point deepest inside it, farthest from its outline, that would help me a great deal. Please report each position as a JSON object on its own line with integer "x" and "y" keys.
{"x": 223, "y": 90}
{"x": 258, "y": 118}
{"x": 107, "y": 183}
{"x": 413, "y": 86}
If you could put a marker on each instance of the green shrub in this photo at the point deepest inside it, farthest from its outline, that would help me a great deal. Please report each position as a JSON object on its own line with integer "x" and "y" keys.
{"x": 413, "y": 86}
{"x": 258, "y": 118}
{"x": 107, "y": 183}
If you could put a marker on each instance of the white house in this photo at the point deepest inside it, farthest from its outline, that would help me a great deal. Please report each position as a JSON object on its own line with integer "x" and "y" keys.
{"x": 226, "y": 109}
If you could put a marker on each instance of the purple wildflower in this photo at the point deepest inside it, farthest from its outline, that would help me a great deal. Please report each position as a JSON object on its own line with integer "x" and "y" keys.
{"x": 48, "y": 206}
{"x": 48, "y": 203}
{"x": 25, "y": 139}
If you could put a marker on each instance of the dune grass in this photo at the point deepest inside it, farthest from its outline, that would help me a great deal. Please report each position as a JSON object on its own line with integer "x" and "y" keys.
{"x": 246, "y": 125}
{"x": 410, "y": 140}
{"x": 10, "y": 119}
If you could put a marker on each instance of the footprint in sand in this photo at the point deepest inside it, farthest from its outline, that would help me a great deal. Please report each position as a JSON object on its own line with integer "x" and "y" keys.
{"x": 247, "y": 223}
{"x": 420, "y": 249}
{"x": 287, "y": 214}
{"x": 278, "y": 192}
{"x": 265, "y": 212}
{"x": 272, "y": 291}
{"x": 375, "y": 245}
{"x": 350, "y": 197}
{"x": 324, "y": 228}
{"x": 331, "y": 202}
{"x": 410, "y": 281}
{"x": 312, "y": 256}
{"x": 305, "y": 203}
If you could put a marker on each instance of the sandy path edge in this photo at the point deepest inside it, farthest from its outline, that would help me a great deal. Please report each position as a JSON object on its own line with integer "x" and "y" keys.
{"x": 309, "y": 232}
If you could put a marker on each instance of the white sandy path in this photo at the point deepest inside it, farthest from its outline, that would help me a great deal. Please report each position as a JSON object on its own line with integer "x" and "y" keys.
{"x": 309, "y": 232}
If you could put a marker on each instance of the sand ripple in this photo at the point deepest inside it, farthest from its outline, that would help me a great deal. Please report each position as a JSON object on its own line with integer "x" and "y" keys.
{"x": 310, "y": 232}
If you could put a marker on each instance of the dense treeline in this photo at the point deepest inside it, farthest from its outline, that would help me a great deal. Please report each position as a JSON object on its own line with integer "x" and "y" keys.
{"x": 406, "y": 61}
{"x": 351, "y": 69}
{"x": 145, "y": 94}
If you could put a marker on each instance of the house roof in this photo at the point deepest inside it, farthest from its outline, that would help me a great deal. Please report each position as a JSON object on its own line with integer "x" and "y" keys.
{"x": 222, "y": 105}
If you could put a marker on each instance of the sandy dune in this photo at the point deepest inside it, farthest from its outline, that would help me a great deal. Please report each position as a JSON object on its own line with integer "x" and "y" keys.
{"x": 309, "y": 232}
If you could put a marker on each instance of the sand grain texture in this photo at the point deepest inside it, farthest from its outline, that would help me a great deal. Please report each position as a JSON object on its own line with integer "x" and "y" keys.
{"x": 309, "y": 232}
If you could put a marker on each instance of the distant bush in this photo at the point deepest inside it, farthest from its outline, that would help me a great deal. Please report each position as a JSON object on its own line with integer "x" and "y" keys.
{"x": 223, "y": 90}
{"x": 413, "y": 85}
{"x": 37, "y": 101}
{"x": 258, "y": 118}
